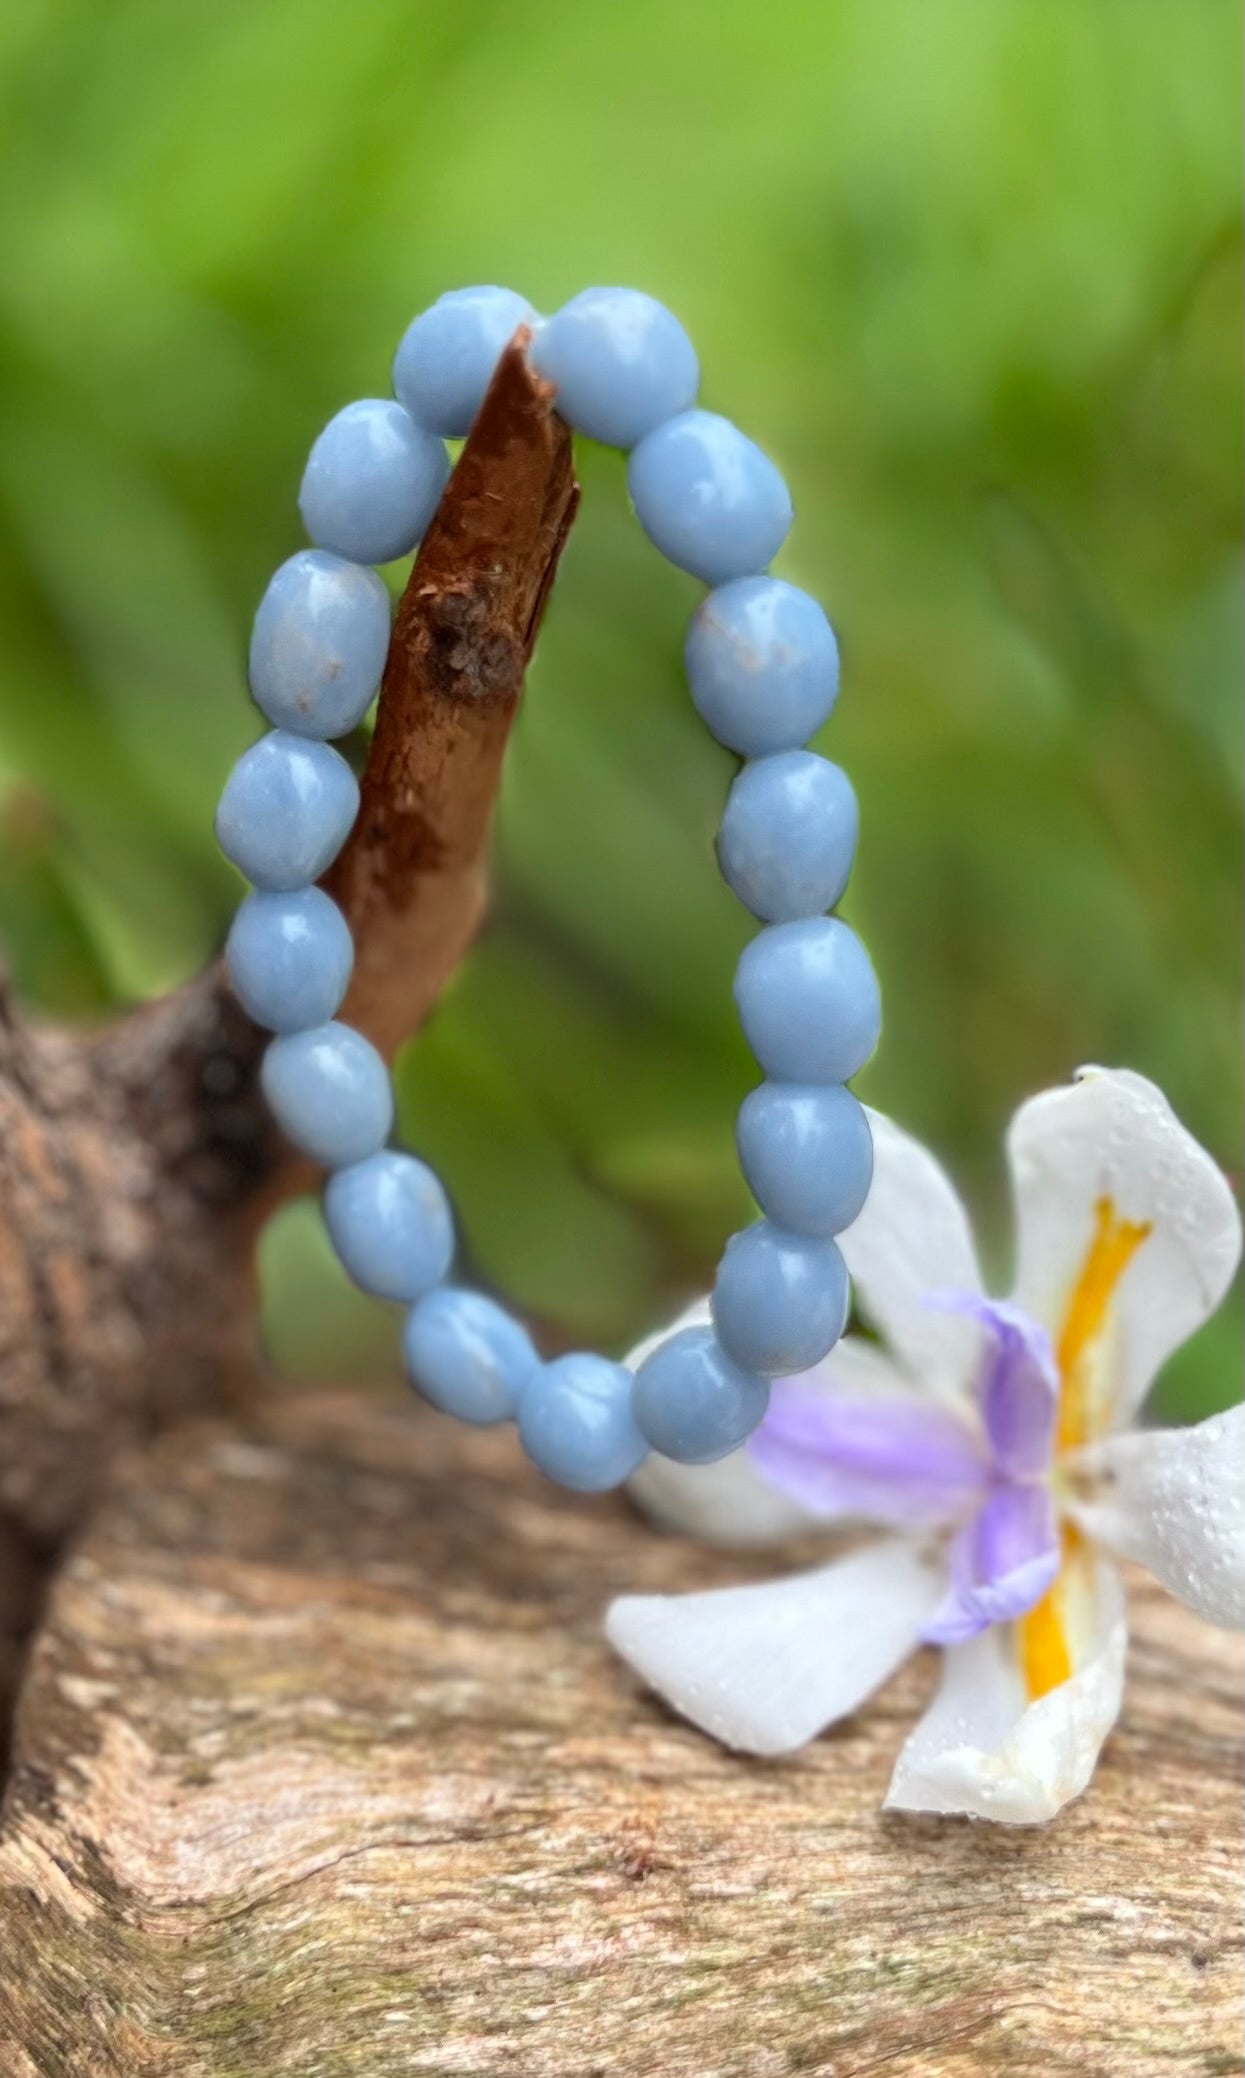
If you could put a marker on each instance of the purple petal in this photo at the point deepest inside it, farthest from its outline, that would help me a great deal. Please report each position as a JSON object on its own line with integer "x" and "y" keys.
{"x": 1019, "y": 1385}
{"x": 1001, "y": 1564}
{"x": 891, "y": 1458}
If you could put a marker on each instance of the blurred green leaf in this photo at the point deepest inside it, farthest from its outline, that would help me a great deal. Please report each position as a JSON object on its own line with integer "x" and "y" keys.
{"x": 315, "y": 1324}
{"x": 971, "y": 271}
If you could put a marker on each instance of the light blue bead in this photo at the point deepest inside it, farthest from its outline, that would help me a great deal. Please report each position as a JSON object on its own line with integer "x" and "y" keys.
{"x": 391, "y": 1224}
{"x": 372, "y": 483}
{"x": 808, "y": 1001}
{"x": 807, "y": 1154}
{"x": 780, "y": 1300}
{"x": 318, "y": 645}
{"x": 788, "y": 835}
{"x": 708, "y": 498}
{"x": 621, "y": 362}
{"x": 287, "y": 809}
{"x": 575, "y": 1422}
{"x": 330, "y": 1094}
{"x": 448, "y": 353}
{"x": 289, "y": 958}
{"x": 467, "y": 1356}
{"x": 692, "y": 1403}
{"x": 762, "y": 664}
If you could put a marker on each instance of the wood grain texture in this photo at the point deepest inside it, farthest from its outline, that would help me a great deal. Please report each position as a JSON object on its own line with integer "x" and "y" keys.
{"x": 323, "y": 1770}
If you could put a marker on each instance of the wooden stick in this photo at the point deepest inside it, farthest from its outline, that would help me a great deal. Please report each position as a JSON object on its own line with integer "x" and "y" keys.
{"x": 412, "y": 880}
{"x": 137, "y": 1162}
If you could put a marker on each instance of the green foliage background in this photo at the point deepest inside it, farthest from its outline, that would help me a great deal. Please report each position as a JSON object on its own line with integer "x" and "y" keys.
{"x": 971, "y": 269}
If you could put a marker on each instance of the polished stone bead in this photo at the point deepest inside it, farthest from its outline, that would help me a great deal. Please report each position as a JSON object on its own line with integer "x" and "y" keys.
{"x": 467, "y": 1356}
{"x": 621, "y": 362}
{"x": 287, "y": 809}
{"x": 575, "y": 1422}
{"x": 762, "y": 664}
{"x": 808, "y": 1001}
{"x": 330, "y": 1094}
{"x": 448, "y": 353}
{"x": 807, "y": 1154}
{"x": 780, "y": 1300}
{"x": 318, "y": 645}
{"x": 692, "y": 1403}
{"x": 289, "y": 958}
{"x": 708, "y": 498}
{"x": 391, "y": 1225}
{"x": 788, "y": 835}
{"x": 372, "y": 483}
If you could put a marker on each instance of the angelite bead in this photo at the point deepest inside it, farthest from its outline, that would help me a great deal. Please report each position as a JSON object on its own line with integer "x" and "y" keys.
{"x": 287, "y": 809}
{"x": 329, "y": 1092}
{"x": 372, "y": 482}
{"x": 575, "y": 1422}
{"x": 289, "y": 957}
{"x": 780, "y": 1300}
{"x": 621, "y": 362}
{"x": 806, "y": 1153}
{"x": 467, "y": 1356}
{"x": 692, "y": 1403}
{"x": 708, "y": 498}
{"x": 808, "y": 1001}
{"x": 318, "y": 645}
{"x": 762, "y": 665}
{"x": 788, "y": 835}
{"x": 391, "y": 1225}
{"x": 447, "y": 356}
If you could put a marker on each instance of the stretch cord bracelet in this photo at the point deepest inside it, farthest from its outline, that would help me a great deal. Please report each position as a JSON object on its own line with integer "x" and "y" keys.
{"x": 762, "y": 664}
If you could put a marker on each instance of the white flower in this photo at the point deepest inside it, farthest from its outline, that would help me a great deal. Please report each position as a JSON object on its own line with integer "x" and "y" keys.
{"x": 993, "y": 1442}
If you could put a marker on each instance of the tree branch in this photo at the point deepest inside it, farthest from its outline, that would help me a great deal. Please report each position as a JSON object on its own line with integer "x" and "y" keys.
{"x": 137, "y": 1162}
{"x": 412, "y": 879}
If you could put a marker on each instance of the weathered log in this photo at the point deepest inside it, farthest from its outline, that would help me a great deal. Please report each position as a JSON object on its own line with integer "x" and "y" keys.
{"x": 323, "y": 1768}
{"x": 136, "y": 1162}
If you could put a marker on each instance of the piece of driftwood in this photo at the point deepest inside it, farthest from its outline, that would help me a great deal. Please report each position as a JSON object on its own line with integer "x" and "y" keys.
{"x": 323, "y": 1770}
{"x": 136, "y": 1162}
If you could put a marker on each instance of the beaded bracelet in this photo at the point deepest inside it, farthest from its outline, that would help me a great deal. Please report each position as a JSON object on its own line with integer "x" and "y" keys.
{"x": 762, "y": 664}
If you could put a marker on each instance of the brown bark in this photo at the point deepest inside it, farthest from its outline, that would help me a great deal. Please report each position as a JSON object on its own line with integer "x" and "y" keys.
{"x": 136, "y": 1162}
{"x": 323, "y": 1768}
{"x": 413, "y": 878}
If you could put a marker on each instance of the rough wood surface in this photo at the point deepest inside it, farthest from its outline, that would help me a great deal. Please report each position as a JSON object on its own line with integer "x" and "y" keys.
{"x": 324, "y": 1771}
{"x": 135, "y": 1163}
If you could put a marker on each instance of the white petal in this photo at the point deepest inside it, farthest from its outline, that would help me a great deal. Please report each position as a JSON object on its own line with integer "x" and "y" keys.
{"x": 766, "y": 1668}
{"x": 912, "y": 1238}
{"x": 1111, "y": 1139}
{"x": 1175, "y": 1500}
{"x": 696, "y": 1315}
{"x": 729, "y": 1503}
{"x": 726, "y": 1503}
{"x": 861, "y": 1369}
{"x": 983, "y": 1751}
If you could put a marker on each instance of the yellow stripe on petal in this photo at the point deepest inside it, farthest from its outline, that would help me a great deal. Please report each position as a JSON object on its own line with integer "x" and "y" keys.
{"x": 1046, "y": 1637}
{"x": 1115, "y": 1243}
{"x": 1045, "y": 1660}
{"x": 1042, "y": 1635}
{"x": 1054, "y": 1638}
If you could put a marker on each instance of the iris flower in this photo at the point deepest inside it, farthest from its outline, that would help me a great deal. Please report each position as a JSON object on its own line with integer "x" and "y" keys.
{"x": 992, "y": 1447}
